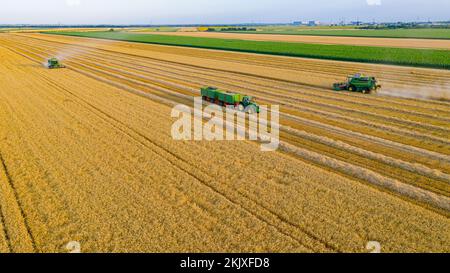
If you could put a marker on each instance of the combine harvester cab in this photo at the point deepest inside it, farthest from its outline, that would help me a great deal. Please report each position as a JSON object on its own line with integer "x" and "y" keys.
{"x": 358, "y": 83}
{"x": 54, "y": 63}
{"x": 240, "y": 102}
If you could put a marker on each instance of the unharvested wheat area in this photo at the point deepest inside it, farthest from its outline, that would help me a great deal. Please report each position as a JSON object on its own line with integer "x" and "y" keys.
{"x": 87, "y": 154}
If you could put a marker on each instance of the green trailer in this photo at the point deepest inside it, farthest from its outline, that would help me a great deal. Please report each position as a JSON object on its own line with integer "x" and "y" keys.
{"x": 223, "y": 98}
{"x": 358, "y": 83}
{"x": 229, "y": 98}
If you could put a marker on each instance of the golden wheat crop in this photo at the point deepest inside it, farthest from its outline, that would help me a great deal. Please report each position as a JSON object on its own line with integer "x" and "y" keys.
{"x": 87, "y": 155}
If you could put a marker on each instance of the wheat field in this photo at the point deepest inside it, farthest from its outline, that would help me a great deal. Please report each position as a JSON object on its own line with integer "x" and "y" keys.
{"x": 86, "y": 154}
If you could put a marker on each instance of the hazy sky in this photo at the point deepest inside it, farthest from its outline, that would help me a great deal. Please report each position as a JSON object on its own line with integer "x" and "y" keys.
{"x": 216, "y": 11}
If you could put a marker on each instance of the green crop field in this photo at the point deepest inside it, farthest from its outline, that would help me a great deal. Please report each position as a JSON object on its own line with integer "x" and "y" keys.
{"x": 397, "y": 56}
{"x": 154, "y": 29}
{"x": 426, "y": 33}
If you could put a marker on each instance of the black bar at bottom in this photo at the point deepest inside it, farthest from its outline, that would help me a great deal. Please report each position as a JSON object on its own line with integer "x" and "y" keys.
{"x": 226, "y": 262}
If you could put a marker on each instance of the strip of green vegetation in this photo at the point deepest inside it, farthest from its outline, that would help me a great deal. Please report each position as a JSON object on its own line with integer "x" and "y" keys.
{"x": 384, "y": 55}
{"x": 155, "y": 29}
{"x": 427, "y": 33}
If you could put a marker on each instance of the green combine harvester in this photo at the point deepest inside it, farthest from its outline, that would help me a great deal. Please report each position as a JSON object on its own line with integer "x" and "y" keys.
{"x": 54, "y": 63}
{"x": 240, "y": 102}
{"x": 358, "y": 83}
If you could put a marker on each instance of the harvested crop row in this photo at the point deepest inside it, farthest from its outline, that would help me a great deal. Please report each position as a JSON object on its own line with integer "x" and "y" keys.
{"x": 398, "y": 163}
{"x": 407, "y": 190}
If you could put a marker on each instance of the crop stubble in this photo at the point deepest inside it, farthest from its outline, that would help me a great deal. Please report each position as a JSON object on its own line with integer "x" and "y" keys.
{"x": 117, "y": 182}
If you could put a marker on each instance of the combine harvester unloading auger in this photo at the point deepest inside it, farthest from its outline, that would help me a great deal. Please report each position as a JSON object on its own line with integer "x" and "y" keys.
{"x": 54, "y": 63}
{"x": 358, "y": 83}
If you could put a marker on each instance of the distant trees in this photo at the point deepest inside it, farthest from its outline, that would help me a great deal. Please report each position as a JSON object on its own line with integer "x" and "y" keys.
{"x": 231, "y": 29}
{"x": 401, "y": 25}
{"x": 238, "y": 29}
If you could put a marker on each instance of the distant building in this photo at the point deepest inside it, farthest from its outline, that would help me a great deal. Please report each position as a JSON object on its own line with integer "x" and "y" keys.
{"x": 306, "y": 23}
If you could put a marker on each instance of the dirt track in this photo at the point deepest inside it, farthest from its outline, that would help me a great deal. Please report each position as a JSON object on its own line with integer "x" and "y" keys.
{"x": 87, "y": 160}
{"x": 331, "y": 40}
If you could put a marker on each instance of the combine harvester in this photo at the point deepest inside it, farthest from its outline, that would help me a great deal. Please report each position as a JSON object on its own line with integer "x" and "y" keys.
{"x": 240, "y": 102}
{"x": 54, "y": 63}
{"x": 358, "y": 83}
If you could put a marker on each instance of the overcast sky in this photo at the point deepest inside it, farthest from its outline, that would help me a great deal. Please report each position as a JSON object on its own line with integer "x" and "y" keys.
{"x": 216, "y": 11}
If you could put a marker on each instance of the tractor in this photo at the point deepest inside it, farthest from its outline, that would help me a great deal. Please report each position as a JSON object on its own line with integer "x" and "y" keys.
{"x": 54, "y": 63}
{"x": 240, "y": 102}
{"x": 358, "y": 83}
